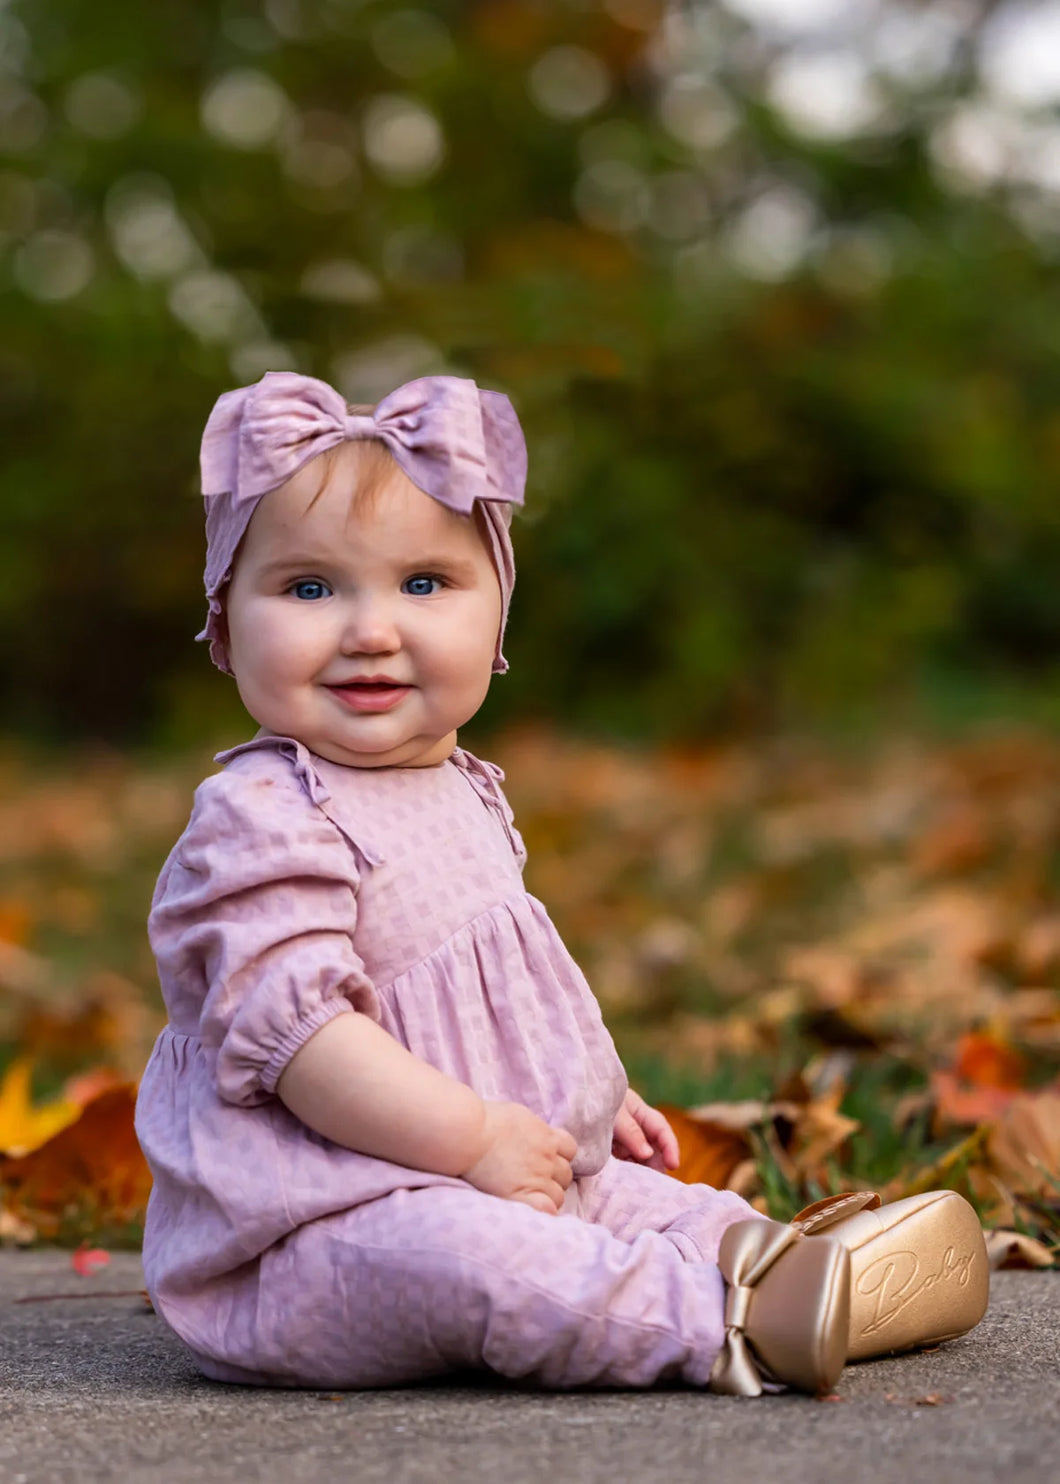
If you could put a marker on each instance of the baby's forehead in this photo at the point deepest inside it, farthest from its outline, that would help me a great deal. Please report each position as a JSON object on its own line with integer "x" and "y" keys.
{"x": 332, "y": 506}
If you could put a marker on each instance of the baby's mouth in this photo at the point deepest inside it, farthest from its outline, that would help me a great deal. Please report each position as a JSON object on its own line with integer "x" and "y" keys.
{"x": 371, "y": 686}
{"x": 375, "y": 693}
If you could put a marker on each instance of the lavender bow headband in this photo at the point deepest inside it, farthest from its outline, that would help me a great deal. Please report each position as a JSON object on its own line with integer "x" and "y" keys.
{"x": 455, "y": 442}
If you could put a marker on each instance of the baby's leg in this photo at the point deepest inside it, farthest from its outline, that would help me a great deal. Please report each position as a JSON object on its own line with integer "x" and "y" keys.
{"x": 628, "y": 1199}
{"x": 423, "y": 1282}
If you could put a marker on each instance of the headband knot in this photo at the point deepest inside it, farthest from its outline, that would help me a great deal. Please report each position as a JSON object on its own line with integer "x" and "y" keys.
{"x": 360, "y": 425}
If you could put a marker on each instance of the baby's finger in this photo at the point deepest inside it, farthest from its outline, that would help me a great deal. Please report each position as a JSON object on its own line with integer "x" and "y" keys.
{"x": 629, "y": 1133}
{"x": 566, "y": 1144}
{"x": 540, "y": 1201}
{"x": 663, "y": 1138}
{"x": 562, "y": 1172}
{"x": 670, "y": 1149}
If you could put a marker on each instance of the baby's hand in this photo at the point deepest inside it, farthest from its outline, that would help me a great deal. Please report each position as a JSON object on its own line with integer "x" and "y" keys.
{"x": 524, "y": 1158}
{"x": 643, "y": 1134}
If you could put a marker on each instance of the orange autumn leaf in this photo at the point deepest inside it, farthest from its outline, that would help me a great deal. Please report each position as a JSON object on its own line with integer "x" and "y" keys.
{"x": 985, "y": 1061}
{"x": 86, "y": 1086}
{"x": 14, "y": 921}
{"x": 964, "y": 1105}
{"x": 709, "y": 1153}
{"x": 93, "y": 1166}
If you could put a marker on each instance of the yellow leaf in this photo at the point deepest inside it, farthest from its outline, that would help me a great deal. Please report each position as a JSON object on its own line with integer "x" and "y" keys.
{"x": 22, "y": 1126}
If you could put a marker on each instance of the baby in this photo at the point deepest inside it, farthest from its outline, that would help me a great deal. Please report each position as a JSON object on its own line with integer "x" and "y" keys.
{"x": 390, "y": 1135}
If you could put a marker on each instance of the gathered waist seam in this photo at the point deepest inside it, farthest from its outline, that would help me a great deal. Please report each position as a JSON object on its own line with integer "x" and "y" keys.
{"x": 517, "y": 896}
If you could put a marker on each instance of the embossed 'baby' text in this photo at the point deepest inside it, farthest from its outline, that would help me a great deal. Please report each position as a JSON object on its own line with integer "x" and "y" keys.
{"x": 895, "y": 1281}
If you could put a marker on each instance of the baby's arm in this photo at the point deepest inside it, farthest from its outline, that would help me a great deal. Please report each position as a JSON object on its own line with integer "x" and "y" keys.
{"x": 358, "y": 1086}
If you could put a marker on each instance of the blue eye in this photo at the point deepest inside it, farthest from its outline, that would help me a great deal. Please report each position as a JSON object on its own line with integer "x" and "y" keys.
{"x": 421, "y": 586}
{"x": 309, "y": 589}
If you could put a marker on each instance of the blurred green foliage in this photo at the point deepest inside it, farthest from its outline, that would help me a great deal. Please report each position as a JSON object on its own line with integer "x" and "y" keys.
{"x": 791, "y": 398}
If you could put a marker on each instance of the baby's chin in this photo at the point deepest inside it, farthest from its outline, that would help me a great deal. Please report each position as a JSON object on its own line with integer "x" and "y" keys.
{"x": 416, "y": 752}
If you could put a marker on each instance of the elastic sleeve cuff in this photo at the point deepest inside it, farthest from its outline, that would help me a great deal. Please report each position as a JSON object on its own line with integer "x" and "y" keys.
{"x": 298, "y": 1036}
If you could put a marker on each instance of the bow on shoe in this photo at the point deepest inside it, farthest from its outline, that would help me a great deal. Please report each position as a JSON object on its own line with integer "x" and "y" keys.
{"x": 743, "y": 1261}
{"x": 455, "y": 441}
{"x": 787, "y": 1310}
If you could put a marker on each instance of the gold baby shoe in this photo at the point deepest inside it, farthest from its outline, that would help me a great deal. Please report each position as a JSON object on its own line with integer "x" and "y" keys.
{"x": 787, "y": 1310}
{"x": 918, "y": 1267}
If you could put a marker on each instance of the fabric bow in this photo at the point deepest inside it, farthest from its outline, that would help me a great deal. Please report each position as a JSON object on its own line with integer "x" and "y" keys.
{"x": 455, "y": 441}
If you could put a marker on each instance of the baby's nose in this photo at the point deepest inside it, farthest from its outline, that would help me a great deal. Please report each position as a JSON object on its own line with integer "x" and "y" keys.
{"x": 370, "y": 628}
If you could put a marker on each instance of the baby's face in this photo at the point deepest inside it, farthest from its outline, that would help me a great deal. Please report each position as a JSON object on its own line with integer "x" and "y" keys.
{"x": 367, "y": 633}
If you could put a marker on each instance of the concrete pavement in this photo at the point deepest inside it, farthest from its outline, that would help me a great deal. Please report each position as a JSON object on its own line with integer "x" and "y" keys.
{"x": 95, "y": 1388}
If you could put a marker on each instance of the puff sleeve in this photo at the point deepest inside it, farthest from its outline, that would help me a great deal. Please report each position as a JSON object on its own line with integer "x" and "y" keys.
{"x": 252, "y": 926}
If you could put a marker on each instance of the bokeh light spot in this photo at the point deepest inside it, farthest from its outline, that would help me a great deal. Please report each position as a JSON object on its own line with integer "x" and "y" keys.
{"x": 402, "y": 139}
{"x": 245, "y": 109}
{"x": 825, "y": 95}
{"x": 101, "y": 105}
{"x": 1020, "y": 53}
{"x": 695, "y": 112}
{"x": 249, "y": 362}
{"x": 772, "y": 235}
{"x": 568, "y": 82}
{"x": 340, "y": 281}
{"x": 370, "y": 371}
{"x": 53, "y": 266}
{"x": 612, "y": 196}
{"x": 146, "y": 229}
{"x": 214, "y": 306}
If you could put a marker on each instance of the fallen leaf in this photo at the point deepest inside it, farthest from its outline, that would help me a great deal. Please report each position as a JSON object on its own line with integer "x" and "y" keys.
{"x": 1005, "y": 1249}
{"x": 710, "y": 1153}
{"x": 23, "y": 1124}
{"x": 82, "y": 1088}
{"x": 960, "y": 1105}
{"x": 820, "y": 1130}
{"x": 1024, "y": 1146}
{"x": 88, "y": 1260}
{"x": 15, "y": 918}
{"x": 986, "y": 1061}
{"x": 92, "y": 1170}
{"x": 956, "y": 843}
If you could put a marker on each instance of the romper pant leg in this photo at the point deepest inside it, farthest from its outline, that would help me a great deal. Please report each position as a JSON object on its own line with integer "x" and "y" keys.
{"x": 428, "y": 1281}
{"x": 629, "y": 1198}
